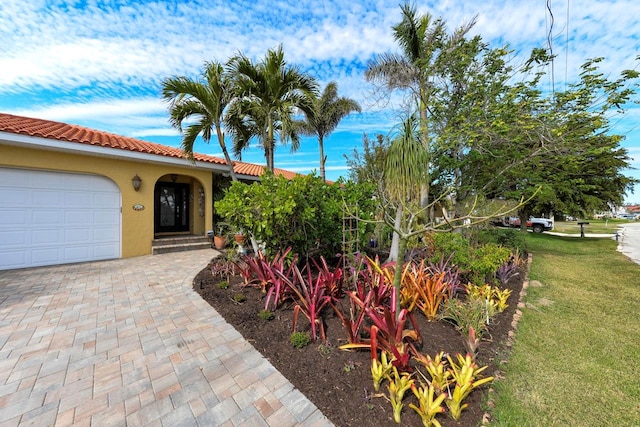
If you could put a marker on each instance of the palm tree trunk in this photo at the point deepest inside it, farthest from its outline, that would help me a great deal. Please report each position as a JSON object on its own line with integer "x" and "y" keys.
{"x": 270, "y": 145}
{"x": 323, "y": 158}
{"x": 226, "y": 154}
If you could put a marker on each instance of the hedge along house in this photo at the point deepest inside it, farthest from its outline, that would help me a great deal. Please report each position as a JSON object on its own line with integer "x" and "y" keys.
{"x": 72, "y": 194}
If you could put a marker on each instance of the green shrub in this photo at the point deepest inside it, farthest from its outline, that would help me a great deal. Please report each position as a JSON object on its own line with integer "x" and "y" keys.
{"x": 486, "y": 260}
{"x": 445, "y": 244}
{"x": 223, "y": 285}
{"x": 477, "y": 264}
{"x": 300, "y": 339}
{"x": 303, "y": 213}
{"x": 239, "y": 298}
{"x": 513, "y": 239}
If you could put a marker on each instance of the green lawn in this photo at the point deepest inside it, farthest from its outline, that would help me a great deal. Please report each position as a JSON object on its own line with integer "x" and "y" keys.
{"x": 594, "y": 226}
{"x": 576, "y": 357}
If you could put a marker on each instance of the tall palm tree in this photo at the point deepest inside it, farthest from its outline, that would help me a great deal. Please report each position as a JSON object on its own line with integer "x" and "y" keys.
{"x": 268, "y": 95}
{"x": 203, "y": 101}
{"x": 327, "y": 112}
{"x": 424, "y": 44}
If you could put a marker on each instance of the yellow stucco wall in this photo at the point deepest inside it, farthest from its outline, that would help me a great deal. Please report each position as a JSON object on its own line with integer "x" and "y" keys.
{"x": 137, "y": 226}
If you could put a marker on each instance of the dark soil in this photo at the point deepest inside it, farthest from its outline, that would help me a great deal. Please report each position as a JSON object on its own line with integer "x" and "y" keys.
{"x": 339, "y": 382}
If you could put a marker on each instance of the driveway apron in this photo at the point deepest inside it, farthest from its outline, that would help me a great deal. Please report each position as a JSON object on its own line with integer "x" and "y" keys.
{"x": 129, "y": 343}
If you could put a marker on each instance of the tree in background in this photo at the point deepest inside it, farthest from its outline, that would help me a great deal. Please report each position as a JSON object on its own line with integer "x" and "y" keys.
{"x": 327, "y": 112}
{"x": 558, "y": 142}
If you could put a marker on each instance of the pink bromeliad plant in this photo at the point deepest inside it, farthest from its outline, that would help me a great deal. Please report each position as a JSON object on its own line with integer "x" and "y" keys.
{"x": 311, "y": 295}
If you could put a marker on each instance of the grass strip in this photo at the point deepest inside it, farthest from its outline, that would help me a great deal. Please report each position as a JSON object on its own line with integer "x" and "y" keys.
{"x": 576, "y": 356}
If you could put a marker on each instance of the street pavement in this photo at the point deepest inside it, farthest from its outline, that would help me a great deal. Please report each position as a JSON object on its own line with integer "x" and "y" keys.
{"x": 629, "y": 241}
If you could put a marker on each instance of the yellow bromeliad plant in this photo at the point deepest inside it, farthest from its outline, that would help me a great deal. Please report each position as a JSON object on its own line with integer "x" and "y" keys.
{"x": 430, "y": 405}
{"x": 495, "y": 298}
{"x": 437, "y": 369}
{"x": 380, "y": 369}
{"x": 398, "y": 385}
{"x": 466, "y": 376}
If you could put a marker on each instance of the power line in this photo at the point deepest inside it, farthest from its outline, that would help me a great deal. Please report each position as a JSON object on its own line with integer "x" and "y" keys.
{"x": 566, "y": 55}
{"x": 550, "y": 44}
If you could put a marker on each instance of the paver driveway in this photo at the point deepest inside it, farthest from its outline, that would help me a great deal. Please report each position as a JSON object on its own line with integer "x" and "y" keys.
{"x": 128, "y": 342}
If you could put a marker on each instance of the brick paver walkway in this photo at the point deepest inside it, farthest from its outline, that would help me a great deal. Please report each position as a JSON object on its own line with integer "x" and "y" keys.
{"x": 129, "y": 343}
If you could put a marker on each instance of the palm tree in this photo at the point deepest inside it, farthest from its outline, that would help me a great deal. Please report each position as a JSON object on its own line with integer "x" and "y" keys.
{"x": 327, "y": 112}
{"x": 268, "y": 94}
{"x": 424, "y": 44}
{"x": 204, "y": 102}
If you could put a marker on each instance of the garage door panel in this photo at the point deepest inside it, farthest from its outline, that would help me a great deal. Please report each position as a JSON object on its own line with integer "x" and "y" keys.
{"x": 47, "y": 217}
{"x": 55, "y": 218}
{"x": 78, "y": 235}
{"x": 78, "y": 200}
{"x": 103, "y": 234}
{"x": 78, "y": 217}
{"x": 104, "y": 217}
{"x": 15, "y": 197}
{"x": 11, "y": 217}
{"x": 45, "y": 256}
{"x": 14, "y": 258}
{"x": 78, "y": 253}
{"x": 47, "y": 199}
{"x": 14, "y": 237}
{"x": 105, "y": 200}
{"x": 104, "y": 251}
{"x": 47, "y": 236}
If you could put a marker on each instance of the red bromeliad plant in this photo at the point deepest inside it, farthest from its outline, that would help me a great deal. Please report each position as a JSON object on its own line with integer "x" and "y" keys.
{"x": 371, "y": 290}
{"x": 310, "y": 297}
{"x": 388, "y": 333}
{"x": 266, "y": 274}
{"x": 332, "y": 280}
{"x": 353, "y": 321}
{"x": 372, "y": 278}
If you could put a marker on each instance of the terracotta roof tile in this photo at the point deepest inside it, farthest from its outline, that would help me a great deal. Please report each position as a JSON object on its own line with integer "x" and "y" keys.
{"x": 257, "y": 170}
{"x": 72, "y": 133}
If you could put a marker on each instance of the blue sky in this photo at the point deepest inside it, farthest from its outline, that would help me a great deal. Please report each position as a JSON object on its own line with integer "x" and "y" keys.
{"x": 100, "y": 63}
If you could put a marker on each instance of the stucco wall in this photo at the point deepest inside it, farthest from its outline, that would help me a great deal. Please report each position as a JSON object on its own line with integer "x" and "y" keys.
{"x": 137, "y": 225}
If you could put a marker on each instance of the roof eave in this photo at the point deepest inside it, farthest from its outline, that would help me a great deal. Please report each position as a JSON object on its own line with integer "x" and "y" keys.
{"x": 19, "y": 140}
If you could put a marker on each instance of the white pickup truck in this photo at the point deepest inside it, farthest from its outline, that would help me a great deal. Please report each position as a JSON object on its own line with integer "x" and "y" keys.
{"x": 538, "y": 225}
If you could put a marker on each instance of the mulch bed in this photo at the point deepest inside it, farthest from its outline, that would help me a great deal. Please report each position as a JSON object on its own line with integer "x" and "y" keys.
{"x": 339, "y": 382}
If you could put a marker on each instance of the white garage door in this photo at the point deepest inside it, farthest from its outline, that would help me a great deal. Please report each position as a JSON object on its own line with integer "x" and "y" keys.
{"x": 49, "y": 218}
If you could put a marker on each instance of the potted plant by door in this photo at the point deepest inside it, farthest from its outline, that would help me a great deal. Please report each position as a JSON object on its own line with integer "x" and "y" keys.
{"x": 220, "y": 237}
{"x": 239, "y": 237}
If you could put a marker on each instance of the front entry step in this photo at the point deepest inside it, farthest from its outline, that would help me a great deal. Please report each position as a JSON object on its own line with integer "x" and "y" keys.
{"x": 167, "y": 244}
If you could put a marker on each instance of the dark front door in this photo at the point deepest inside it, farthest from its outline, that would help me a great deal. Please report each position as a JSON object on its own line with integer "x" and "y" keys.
{"x": 172, "y": 207}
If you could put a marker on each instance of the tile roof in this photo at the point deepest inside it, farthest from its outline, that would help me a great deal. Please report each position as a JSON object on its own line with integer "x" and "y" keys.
{"x": 257, "y": 170}
{"x": 72, "y": 133}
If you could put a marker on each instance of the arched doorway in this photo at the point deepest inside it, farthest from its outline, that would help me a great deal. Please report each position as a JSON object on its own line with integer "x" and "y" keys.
{"x": 172, "y": 206}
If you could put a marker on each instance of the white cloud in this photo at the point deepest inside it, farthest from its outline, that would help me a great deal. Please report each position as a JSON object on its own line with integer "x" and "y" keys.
{"x": 100, "y": 64}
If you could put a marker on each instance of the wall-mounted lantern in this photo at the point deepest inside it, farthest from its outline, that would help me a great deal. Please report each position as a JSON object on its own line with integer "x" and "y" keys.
{"x": 137, "y": 182}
